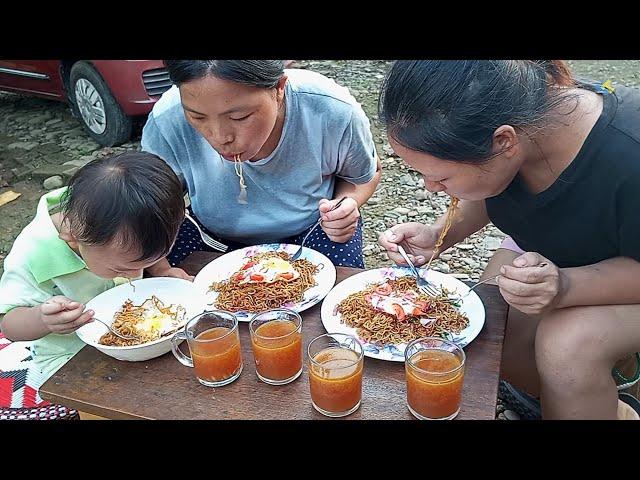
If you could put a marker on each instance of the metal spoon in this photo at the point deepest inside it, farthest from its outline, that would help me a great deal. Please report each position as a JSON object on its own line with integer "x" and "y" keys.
{"x": 124, "y": 337}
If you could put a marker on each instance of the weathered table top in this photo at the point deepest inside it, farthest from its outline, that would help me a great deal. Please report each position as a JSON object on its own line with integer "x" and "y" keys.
{"x": 162, "y": 388}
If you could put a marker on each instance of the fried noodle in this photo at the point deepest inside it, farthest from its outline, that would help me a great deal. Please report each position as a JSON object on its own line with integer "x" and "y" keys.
{"x": 381, "y": 328}
{"x": 447, "y": 225}
{"x": 258, "y": 297}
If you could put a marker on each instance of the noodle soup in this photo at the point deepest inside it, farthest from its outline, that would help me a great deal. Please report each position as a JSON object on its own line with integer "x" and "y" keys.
{"x": 276, "y": 340}
{"x": 335, "y": 375}
{"x": 435, "y": 374}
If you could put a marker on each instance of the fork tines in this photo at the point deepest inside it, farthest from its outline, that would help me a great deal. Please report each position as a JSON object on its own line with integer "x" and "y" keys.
{"x": 429, "y": 290}
{"x": 214, "y": 243}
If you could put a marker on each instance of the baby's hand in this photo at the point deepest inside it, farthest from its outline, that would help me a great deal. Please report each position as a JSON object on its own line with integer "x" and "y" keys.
{"x": 60, "y": 314}
{"x": 172, "y": 272}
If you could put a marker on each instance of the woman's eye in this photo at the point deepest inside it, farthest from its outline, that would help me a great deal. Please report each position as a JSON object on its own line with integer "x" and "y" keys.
{"x": 196, "y": 118}
{"x": 241, "y": 118}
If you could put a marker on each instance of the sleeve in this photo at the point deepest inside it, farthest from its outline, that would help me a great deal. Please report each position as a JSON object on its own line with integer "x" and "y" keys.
{"x": 18, "y": 289}
{"x": 357, "y": 159}
{"x": 629, "y": 219}
{"x": 153, "y": 141}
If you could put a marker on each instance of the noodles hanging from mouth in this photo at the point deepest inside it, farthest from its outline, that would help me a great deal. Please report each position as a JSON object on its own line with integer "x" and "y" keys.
{"x": 381, "y": 328}
{"x": 257, "y": 297}
{"x": 237, "y": 165}
{"x": 447, "y": 225}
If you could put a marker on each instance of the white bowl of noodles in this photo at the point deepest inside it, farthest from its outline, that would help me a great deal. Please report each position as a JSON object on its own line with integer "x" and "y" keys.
{"x": 175, "y": 302}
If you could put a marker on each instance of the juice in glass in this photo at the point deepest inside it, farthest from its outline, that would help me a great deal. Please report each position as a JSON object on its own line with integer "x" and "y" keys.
{"x": 276, "y": 340}
{"x": 216, "y": 361}
{"x": 335, "y": 374}
{"x": 435, "y": 375}
{"x": 214, "y": 344}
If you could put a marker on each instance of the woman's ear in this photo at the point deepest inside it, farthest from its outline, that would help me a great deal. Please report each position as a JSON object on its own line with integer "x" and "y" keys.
{"x": 505, "y": 141}
{"x": 280, "y": 88}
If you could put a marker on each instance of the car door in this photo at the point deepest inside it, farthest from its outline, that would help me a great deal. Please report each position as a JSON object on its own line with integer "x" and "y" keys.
{"x": 39, "y": 77}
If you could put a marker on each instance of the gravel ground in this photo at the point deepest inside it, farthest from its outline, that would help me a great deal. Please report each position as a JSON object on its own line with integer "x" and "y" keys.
{"x": 40, "y": 139}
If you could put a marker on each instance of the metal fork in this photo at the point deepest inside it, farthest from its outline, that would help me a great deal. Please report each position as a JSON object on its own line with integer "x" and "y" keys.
{"x": 206, "y": 238}
{"x": 125, "y": 337}
{"x": 296, "y": 255}
{"x": 479, "y": 283}
{"x": 543, "y": 264}
{"x": 424, "y": 286}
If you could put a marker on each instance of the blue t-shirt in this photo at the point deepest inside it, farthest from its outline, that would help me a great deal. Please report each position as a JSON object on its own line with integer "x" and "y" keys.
{"x": 326, "y": 134}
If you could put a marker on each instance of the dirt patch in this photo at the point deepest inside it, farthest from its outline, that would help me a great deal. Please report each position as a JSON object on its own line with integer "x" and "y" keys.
{"x": 36, "y": 133}
{"x": 15, "y": 215}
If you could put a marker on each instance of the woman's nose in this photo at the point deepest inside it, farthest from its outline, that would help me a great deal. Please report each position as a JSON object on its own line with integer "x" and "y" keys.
{"x": 216, "y": 136}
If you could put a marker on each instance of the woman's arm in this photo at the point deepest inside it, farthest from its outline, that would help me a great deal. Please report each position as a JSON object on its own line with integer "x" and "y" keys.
{"x": 360, "y": 193}
{"x": 534, "y": 285}
{"x": 420, "y": 239}
{"x": 611, "y": 282}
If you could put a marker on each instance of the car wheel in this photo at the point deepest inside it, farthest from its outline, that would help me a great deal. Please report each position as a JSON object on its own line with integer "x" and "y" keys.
{"x": 95, "y": 106}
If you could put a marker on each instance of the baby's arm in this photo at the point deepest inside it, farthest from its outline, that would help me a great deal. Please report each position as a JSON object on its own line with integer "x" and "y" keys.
{"x": 57, "y": 315}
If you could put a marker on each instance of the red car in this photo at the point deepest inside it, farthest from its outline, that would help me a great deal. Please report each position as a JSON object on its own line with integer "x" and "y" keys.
{"x": 106, "y": 95}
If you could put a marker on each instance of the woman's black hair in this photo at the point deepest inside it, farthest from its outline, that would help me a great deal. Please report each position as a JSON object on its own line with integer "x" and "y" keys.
{"x": 451, "y": 109}
{"x": 257, "y": 73}
{"x": 133, "y": 198}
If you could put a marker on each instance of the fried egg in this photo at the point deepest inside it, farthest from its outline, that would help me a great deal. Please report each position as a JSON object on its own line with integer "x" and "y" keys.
{"x": 267, "y": 270}
{"x": 155, "y": 322}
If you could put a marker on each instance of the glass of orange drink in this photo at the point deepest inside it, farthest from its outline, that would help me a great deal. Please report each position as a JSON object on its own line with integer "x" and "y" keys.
{"x": 276, "y": 341}
{"x": 214, "y": 344}
{"x": 435, "y": 373}
{"x": 336, "y": 361}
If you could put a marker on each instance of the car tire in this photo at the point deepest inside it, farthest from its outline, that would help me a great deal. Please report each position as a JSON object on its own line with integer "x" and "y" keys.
{"x": 95, "y": 106}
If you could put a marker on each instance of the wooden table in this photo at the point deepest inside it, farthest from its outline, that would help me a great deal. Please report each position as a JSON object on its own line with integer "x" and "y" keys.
{"x": 162, "y": 388}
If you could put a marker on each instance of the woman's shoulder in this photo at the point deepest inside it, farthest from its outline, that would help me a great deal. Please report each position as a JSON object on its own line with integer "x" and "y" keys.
{"x": 314, "y": 89}
{"x": 168, "y": 108}
{"x": 627, "y": 116}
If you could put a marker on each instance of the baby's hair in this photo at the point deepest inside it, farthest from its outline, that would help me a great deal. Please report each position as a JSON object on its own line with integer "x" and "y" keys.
{"x": 133, "y": 198}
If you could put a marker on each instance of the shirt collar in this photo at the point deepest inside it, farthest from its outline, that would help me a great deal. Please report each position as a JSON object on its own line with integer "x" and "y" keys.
{"x": 53, "y": 257}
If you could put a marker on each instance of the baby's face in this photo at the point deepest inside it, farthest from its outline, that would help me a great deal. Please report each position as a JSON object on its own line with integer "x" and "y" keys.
{"x": 111, "y": 260}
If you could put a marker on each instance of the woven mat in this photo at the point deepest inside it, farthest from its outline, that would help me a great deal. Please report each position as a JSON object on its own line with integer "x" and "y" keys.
{"x": 19, "y": 379}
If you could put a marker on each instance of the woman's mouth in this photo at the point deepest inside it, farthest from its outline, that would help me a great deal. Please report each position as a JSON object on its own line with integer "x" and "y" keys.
{"x": 231, "y": 156}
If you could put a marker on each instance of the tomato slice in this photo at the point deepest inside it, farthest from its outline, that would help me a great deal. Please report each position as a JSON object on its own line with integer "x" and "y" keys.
{"x": 384, "y": 289}
{"x": 248, "y": 265}
{"x": 423, "y": 305}
{"x": 256, "y": 277}
{"x": 238, "y": 277}
{"x": 286, "y": 275}
{"x": 399, "y": 312}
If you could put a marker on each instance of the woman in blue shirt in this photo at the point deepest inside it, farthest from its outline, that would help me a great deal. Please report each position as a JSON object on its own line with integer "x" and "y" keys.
{"x": 264, "y": 153}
